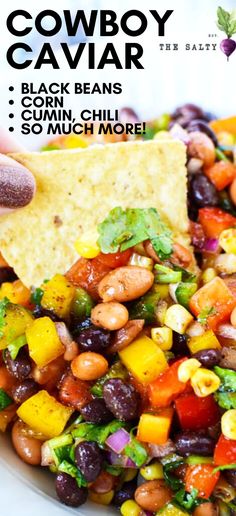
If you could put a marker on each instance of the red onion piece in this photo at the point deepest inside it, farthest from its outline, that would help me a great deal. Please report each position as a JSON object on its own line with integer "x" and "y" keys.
{"x": 161, "y": 450}
{"x": 118, "y": 440}
{"x": 227, "y": 331}
{"x": 63, "y": 333}
{"x": 211, "y": 245}
{"x": 121, "y": 460}
{"x": 179, "y": 133}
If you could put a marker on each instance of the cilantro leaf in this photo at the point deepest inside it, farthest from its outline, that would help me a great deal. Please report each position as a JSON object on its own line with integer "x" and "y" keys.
{"x": 186, "y": 500}
{"x": 3, "y": 305}
{"x": 73, "y": 471}
{"x": 123, "y": 229}
{"x": 170, "y": 463}
{"x": 5, "y": 400}
{"x": 136, "y": 452}
{"x": 15, "y": 346}
{"x": 98, "y": 433}
{"x": 226, "y": 400}
{"x": 36, "y": 296}
{"x": 227, "y": 378}
{"x": 205, "y": 313}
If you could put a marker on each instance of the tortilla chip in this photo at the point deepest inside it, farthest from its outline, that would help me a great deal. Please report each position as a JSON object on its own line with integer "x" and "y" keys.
{"x": 76, "y": 189}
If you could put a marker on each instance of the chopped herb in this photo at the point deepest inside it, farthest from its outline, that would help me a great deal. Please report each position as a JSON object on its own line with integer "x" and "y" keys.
{"x": 226, "y": 400}
{"x": 220, "y": 155}
{"x": 166, "y": 274}
{"x": 36, "y": 296}
{"x": 205, "y": 313}
{"x": 5, "y": 400}
{"x": 73, "y": 471}
{"x": 227, "y": 378}
{"x": 123, "y": 229}
{"x": 224, "y": 467}
{"x": 98, "y": 433}
{"x": 136, "y": 452}
{"x": 170, "y": 463}
{"x": 113, "y": 470}
{"x": 15, "y": 346}
{"x": 186, "y": 500}
{"x": 3, "y": 305}
{"x": 187, "y": 277}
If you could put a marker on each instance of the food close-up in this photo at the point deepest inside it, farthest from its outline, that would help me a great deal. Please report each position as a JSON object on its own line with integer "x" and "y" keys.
{"x": 118, "y": 318}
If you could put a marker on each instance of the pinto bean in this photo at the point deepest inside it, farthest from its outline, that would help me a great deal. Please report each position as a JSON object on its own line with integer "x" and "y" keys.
{"x": 126, "y": 335}
{"x": 27, "y": 447}
{"x": 125, "y": 283}
{"x": 201, "y": 147}
{"x": 111, "y": 316}
{"x": 181, "y": 255}
{"x": 206, "y": 509}
{"x": 104, "y": 483}
{"x": 153, "y": 495}
{"x": 89, "y": 366}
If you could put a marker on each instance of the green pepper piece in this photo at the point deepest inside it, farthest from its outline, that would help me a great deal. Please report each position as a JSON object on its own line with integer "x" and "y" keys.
{"x": 82, "y": 304}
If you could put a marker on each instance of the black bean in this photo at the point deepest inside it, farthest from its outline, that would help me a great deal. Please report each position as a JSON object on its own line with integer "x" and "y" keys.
{"x": 96, "y": 411}
{"x": 94, "y": 339}
{"x": 202, "y": 192}
{"x": 203, "y": 127}
{"x": 121, "y": 399}
{"x": 20, "y": 368}
{"x": 69, "y": 492}
{"x": 24, "y": 391}
{"x": 230, "y": 475}
{"x": 188, "y": 443}
{"x": 208, "y": 357}
{"x": 76, "y": 326}
{"x": 180, "y": 348}
{"x": 39, "y": 311}
{"x": 88, "y": 458}
{"x": 183, "y": 115}
{"x": 7, "y": 274}
{"x": 126, "y": 492}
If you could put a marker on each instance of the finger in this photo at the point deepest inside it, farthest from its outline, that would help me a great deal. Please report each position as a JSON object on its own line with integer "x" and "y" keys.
{"x": 8, "y": 143}
{"x": 17, "y": 184}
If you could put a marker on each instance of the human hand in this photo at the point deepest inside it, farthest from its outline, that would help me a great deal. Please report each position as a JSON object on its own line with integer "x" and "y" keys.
{"x": 17, "y": 184}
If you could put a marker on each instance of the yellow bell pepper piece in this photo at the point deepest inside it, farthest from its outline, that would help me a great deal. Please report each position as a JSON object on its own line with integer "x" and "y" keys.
{"x": 43, "y": 341}
{"x": 58, "y": 295}
{"x": 101, "y": 498}
{"x": 16, "y": 292}
{"x": 155, "y": 428}
{"x": 44, "y": 414}
{"x": 16, "y": 321}
{"x": 206, "y": 341}
{"x": 144, "y": 359}
{"x": 162, "y": 289}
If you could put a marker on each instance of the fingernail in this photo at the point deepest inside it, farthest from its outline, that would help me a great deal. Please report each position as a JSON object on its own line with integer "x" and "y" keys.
{"x": 17, "y": 186}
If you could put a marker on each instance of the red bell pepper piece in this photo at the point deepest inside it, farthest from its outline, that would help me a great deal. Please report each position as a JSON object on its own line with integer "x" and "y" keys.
{"x": 214, "y": 221}
{"x": 87, "y": 274}
{"x": 196, "y": 413}
{"x": 215, "y": 295}
{"x": 114, "y": 260}
{"x": 221, "y": 174}
{"x": 202, "y": 478}
{"x": 167, "y": 387}
{"x": 225, "y": 451}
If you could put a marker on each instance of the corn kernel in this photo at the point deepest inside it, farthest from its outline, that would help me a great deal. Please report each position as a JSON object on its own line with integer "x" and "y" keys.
{"x": 187, "y": 369}
{"x": 130, "y": 474}
{"x": 227, "y": 240}
{"x": 163, "y": 337}
{"x": 206, "y": 341}
{"x": 178, "y": 318}
{"x": 87, "y": 248}
{"x": 208, "y": 275}
{"x": 130, "y": 508}
{"x": 153, "y": 471}
{"x": 228, "y": 424}
{"x": 204, "y": 382}
{"x": 101, "y": 498}
{"x": 141, "y": 261}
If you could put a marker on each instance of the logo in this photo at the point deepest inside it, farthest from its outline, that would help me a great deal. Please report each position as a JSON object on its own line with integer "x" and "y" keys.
{"x": 226, "y": 22}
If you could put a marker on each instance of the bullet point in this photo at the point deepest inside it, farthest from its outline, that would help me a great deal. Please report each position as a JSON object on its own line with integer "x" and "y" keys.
{"x": 11, "y": 115}
{"x": 11, "y": 129}
{"x": 11, "y": 102}
{"x": 11, "y": 88}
